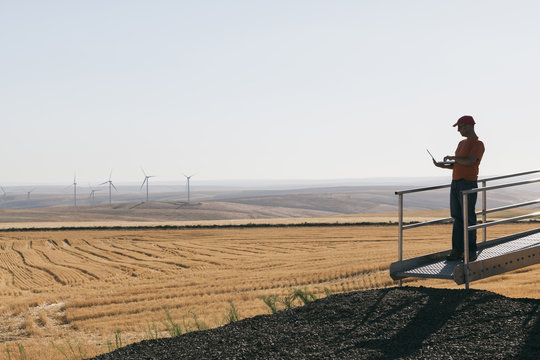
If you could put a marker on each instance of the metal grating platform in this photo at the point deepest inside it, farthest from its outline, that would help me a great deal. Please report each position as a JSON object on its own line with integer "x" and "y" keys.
{"x": 494, "y": 257}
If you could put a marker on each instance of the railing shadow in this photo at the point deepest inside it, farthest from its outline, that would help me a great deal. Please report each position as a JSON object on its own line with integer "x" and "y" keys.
{"x": 421, "y": 321}
{"x": 532, "y": 343}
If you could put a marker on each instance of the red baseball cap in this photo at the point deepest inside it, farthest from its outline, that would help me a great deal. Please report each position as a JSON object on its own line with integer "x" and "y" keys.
{"x": 466, "y": 119}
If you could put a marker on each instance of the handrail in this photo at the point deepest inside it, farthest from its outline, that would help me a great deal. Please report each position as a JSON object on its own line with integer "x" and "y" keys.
{"x": 510, "y": 175}
{"x": 502, "y": 221}
{"x": 500, "y": 186}
{"x": 488, "y": 211}
{"x": 484, "y": 211}
{"x": 402, "y": 192}
{"x": 430, "y": 222}
{"x": 436, "y": 187}
{"x": 507, "y": 207}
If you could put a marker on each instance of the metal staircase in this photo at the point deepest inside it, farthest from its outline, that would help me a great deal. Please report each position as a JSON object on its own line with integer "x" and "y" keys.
{"x": 495, "y": 256}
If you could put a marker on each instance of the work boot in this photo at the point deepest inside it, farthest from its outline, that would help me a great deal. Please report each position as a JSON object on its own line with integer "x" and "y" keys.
{"x": 454, "y": 255}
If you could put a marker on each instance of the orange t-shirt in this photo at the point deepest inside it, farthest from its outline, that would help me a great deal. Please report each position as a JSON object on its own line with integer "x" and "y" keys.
{"x": 466, "y": 148}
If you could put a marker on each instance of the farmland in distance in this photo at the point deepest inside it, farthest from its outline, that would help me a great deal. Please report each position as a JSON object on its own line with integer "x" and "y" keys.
{"x": 80, "y": 288}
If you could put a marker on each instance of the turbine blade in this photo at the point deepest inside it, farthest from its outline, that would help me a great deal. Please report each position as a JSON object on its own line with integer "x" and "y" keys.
{"x": 114, "y": 186}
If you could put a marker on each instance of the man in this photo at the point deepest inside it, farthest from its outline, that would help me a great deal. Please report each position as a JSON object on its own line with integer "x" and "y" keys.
{"x": 467, "y": 159}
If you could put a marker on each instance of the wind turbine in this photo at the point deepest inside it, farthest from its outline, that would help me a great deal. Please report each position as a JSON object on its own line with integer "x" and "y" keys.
{"x": 92, "y": 193}
{"x": 111, "y": 185}
{"x": 146, "y": 177}
{"x": 4, "y": 191}
{"x": 28, "y": 193}
{"x": 188, "y": 178}
{"x": 74, "y": 190}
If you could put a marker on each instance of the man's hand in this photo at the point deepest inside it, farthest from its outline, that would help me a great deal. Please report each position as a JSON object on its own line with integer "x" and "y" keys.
{"x": 443, "y": 166}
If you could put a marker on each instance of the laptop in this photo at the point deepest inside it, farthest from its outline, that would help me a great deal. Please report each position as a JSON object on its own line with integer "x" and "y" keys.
{"x": 440, "y": 162}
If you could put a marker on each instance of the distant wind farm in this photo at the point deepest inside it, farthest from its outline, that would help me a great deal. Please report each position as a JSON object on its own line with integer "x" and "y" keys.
{"x": 43, "y": 195}
{"x": 184, "y": 200}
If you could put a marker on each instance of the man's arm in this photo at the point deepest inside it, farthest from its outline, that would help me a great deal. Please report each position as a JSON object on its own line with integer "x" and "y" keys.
{"x": 463, "y": 160}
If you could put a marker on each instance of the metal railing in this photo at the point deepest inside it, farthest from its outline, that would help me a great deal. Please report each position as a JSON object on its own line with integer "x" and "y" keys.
{"x": 484, "y": 225}
{"x": 484, "y": 211}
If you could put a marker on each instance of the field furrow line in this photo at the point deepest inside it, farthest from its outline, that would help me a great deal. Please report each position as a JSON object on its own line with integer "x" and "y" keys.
{"x": 241, "y": 251}
{"x": 53, "y": 244}
{"x": 221, "y": 251}
{"x": 22, "y": 276}
{"x": 128, "y": 246}
{"x": 67, "y": 266}
{"x": 153, "y": 257}
{"x": 11, "y": 274}
{"x": 172, "y": 251}
{"x": 195, "y": 250}
{"x": 143, "y": 262}
{"x": 121, "y": 254}
{"x": 284, "y": 249}
{"x": 37, "y": 267}
{"x": 109, "y": 261}
{"x": 194, "y": 256}
{"x": 80, "y": 258}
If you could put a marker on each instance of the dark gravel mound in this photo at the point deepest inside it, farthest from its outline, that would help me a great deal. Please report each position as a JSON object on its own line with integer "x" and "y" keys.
{"x": 404, "y": 323}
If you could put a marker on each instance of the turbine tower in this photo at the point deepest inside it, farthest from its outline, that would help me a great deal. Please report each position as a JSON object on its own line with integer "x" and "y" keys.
{"x": 146, "y": 177}
{"x": 111, "y": 185}
{"x": 188, "y": 178}
{"x": 28, "y": 194}
{"x": 74, "y": 190}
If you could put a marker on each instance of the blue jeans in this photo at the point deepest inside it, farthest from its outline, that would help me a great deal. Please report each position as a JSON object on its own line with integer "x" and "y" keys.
{"x": 456, "y": 206}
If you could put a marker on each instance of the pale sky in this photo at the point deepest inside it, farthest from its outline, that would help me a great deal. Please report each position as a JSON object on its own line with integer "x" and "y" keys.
{"x": 276, "y": 89}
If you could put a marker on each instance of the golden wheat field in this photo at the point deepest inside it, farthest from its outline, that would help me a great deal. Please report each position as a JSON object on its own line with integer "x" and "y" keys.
{"x": 82, "y": 291}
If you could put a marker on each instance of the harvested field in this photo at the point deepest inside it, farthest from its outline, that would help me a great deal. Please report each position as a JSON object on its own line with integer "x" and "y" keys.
{"x": 87, "y": 288}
